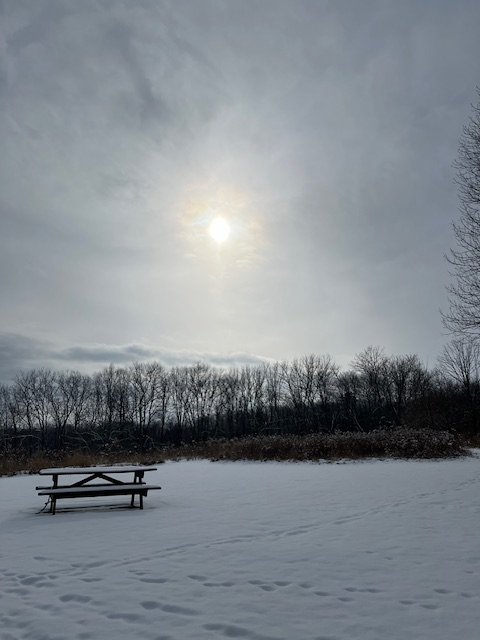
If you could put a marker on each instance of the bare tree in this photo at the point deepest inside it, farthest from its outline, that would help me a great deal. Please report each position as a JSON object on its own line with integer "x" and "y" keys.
{"x": 202, "y": 383}
{"x": 33, "y": 389}
{"x": 5, "y": 424}
{"x": 405, "y": 377}
{"x": 310, "y": 387}
{"x": 68, "y": 394}
{"x": 180, "y": 398}
{"x": 80, "y": 390}
{"x": 228, "y": 401}
{"x": 274, "y": 392}
{"x": 299, "y": 380}
{"x": 463, "y": 317}
{"x": 349, "y": 385}
{"x": 151, "y": 388}
{"x": 460, "y": 361}
{"x": 371, "y": 364}
{"x": 60, "y": 403}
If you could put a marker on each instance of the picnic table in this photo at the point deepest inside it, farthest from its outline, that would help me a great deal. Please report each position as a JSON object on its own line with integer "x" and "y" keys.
{"x": 88, "y": 486}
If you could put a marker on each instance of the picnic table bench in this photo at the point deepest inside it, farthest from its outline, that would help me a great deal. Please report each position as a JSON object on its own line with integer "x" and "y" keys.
{"x": 87, "y": 487}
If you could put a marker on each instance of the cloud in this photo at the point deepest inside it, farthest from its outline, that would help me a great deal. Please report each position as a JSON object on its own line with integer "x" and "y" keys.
{"x": 116, "y": 354}
{"x": 20, "y": 353}
{"x": 127, "y": 353}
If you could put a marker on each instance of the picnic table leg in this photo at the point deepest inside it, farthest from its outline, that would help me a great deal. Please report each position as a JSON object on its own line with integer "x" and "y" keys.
{"x": 52, "y": 499}
{"x": 136, "y": 479}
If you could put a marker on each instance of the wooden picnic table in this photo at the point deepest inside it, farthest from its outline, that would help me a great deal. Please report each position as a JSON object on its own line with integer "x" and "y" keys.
{"x": 88, "y": 485}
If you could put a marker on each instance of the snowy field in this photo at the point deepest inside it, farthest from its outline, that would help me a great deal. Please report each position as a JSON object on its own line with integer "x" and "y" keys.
{"x": 369, "y": 551}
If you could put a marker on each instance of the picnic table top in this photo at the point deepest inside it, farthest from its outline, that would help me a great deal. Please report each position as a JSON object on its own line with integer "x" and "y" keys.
{"x": 66, "y": 471}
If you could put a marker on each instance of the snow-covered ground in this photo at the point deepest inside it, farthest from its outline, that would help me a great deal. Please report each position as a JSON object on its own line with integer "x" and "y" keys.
{"x": 357, "y": 551}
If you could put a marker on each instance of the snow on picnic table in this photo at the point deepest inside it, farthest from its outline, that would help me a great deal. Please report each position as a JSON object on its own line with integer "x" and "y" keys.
{"x": 370, "y": 551}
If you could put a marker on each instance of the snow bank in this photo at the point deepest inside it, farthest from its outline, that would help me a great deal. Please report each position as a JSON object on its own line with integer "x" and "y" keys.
{"x": 363, "y": 551}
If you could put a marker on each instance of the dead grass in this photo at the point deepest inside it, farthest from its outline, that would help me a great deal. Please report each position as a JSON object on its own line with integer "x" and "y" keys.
{"x": 396, "y": 443}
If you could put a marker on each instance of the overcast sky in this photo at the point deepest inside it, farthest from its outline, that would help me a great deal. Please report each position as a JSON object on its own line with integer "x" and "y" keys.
{"x": 321, "y": 132}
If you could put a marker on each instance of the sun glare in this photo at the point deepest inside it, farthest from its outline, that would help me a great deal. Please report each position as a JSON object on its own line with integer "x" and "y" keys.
{"x": 219, "y": 230}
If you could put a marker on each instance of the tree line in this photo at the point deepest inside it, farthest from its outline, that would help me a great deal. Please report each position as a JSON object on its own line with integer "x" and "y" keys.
{"x": 147, "y": 405}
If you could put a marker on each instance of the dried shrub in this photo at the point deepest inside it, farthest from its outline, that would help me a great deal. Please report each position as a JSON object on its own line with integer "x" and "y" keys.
{"x": 397, "y": 443}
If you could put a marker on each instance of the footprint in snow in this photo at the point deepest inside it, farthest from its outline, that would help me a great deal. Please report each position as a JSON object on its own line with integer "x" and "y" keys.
{"x": 232, "y": 631}
{"x": 150, "y": 604}
{"x": 168, "y": 608}
{"x": 183, "y": 611}
{"x": 19, "y": 591}
{"x": 91, "y": 579}
{"x": 32, "y": 580}
{"x": 126, "y": 617}
{"x": 154, "y": 580}
{"x": 74, "y": 597}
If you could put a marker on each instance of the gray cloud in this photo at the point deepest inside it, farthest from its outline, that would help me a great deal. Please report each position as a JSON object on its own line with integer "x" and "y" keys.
{"x": 126, "y": 354}
{"x": 21, "y": 353}
{"x": 18, "y": 353}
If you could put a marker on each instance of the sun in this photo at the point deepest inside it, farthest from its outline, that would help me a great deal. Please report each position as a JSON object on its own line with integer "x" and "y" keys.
{"x": 219, "y": 230}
